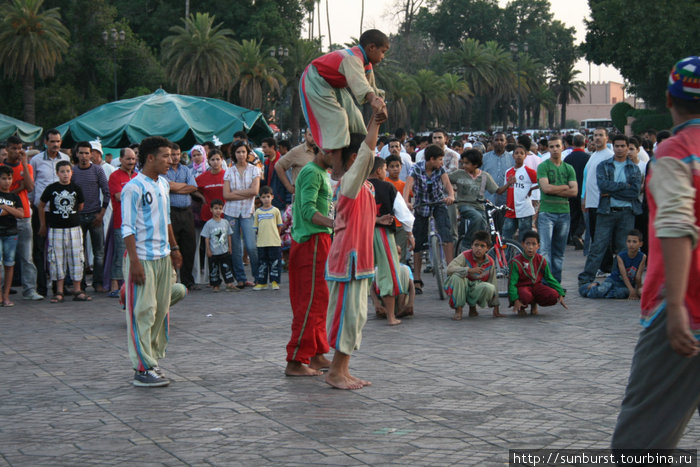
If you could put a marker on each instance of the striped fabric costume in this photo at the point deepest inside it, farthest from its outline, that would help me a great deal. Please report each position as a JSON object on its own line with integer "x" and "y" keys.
{"x": 350, "y": 266}
{"x": 464, "y": 288}
{"x": 146, "y": 216}
{"x": 325, "y": 89}
{"x": 531, "y": 280}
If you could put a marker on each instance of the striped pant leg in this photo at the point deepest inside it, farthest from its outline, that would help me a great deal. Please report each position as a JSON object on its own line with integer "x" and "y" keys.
{"x": 74, "y": 253}
{"x": 347, "y": 314}
{"x": 147, "y": 308}
{"x": 326, "y": 110}
{"x": 386, "y": 258}
{"x": 54, "y": 254}
{"x": 308, "y": 293}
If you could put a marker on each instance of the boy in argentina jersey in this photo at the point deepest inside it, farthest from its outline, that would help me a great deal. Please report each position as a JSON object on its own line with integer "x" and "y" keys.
{"x": 152, "y": 253}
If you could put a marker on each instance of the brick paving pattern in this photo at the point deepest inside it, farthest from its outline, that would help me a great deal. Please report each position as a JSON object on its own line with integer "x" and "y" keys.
{"x": 444, "y": 392}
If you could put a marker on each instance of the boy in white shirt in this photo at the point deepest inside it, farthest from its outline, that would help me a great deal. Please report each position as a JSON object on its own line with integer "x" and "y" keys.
{"x": 520, "y": 182}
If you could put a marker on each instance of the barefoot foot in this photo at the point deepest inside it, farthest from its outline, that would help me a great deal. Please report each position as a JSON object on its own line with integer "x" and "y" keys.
{"x": 319, "y": 362}
{"x": 533, "y": 309}
{"x": 363, "y": 382}
{"x": 341, "y": 382}
{"x": 298, "y": 369}
{"x": 393, "y": 322}
{"x": 458, "y": 314}
{"x": 473, "y": 312}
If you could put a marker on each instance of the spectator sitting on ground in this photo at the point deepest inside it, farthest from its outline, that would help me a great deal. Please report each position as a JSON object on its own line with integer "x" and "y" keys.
{"x": 625, "y": 281}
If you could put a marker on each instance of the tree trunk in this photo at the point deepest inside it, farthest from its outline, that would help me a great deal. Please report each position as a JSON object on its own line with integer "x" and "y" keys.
{"x": 488, "y": 112}
{"x": 362, "y": 16}
{"x": 328, "y": 20}
{"x": 563, "y": 115}
{"x": 536, "y": 116}
{"x": 28, "y": 97}
{"x": 296, "y": 112}
{"x": 468, "y": 109}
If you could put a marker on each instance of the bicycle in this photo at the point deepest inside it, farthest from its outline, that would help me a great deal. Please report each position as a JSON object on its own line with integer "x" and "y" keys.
{"x": 437, "y": 263}
{"x": 502, "y": 251}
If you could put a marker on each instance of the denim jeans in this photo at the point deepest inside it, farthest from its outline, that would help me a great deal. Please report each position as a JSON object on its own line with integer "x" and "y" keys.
{"x": 24, "y": 256}
{"x": 522, "y": 225}
{"x": 614, "y": 226}
{"x": 117, "y": 255}
{"x": 243, "y": 226}
{"x": 97, "y": 240}
{"x": 220, "y": 265}
{"x": 474, "y": 220}
{"x": 554, "y": 232}
{"x": 8, "y": 247}
{"x": 610, "y": 288}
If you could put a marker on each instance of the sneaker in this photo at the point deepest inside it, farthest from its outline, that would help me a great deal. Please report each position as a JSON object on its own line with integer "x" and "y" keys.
{"x": 113, "y": 294}
{"x": 275, "y": 285}
{"x": 260, "y": 287}
{"x": 159, "y": 371}
{"x": 33, "y": 296}
{"x": 149, "y": 379}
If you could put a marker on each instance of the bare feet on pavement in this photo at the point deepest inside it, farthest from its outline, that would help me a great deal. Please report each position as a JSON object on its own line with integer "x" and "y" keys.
{"x": 458, "y": 314}
{"x": 319, "y": 362}
{"x": 299, "y": 369}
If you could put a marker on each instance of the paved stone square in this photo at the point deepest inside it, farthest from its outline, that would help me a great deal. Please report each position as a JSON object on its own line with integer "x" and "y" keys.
{"x": 443, "y": 392}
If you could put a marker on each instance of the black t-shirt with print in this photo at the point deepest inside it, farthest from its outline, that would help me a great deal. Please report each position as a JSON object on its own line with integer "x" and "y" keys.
{"x": 63, "y": 201}
{"x": 8, "y": 222}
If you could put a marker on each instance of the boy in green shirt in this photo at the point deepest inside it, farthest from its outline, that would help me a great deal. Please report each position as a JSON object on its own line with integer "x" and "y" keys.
{"x": 557, "y": 182}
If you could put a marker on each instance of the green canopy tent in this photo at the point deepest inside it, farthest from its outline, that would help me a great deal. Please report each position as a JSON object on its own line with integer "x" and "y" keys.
{"x": 26, "y": 131}
{"x": 186, "y": 120}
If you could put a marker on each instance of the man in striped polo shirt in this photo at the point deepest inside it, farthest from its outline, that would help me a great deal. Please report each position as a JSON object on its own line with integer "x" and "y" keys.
{"x": 153, "y": 252}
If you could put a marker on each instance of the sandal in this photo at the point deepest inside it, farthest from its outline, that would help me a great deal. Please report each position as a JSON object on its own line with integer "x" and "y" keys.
{"x": 8, "y": 303}
{"x": 419, "y": 290}
{"x": 58, "y": 298}
{"x": 82, "y": 297}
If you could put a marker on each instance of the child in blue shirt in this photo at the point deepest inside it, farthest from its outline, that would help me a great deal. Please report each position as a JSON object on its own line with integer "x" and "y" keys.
{"x": 625, "y": 281}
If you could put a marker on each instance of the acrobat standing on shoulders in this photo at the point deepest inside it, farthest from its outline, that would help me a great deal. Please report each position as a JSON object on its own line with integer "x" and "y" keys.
{"x": 329, "y": 83}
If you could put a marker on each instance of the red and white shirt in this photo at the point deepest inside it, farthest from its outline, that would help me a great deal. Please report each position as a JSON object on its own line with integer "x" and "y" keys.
{"x": 518, "y": 197}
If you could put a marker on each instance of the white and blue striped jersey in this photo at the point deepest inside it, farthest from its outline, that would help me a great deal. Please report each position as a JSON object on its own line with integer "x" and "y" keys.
{"x": 146, "y": 215}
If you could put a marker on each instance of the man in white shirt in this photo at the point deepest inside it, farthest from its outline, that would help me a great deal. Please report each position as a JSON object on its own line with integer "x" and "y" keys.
{"x": 44, "y": 166}
{"x": 395, "y": 149}
{"x": 451, "y": 159}
{"x": 591, "y": 193}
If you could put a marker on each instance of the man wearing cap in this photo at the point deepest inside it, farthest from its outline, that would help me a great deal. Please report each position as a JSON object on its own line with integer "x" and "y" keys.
{"x": 663, "y": 391}
{"x": 44, "y": 167}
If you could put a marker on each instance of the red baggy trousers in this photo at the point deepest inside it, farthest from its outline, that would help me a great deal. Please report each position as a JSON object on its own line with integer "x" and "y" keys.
{"x": 539, "y": 293}
{"x": 308, "y": 293}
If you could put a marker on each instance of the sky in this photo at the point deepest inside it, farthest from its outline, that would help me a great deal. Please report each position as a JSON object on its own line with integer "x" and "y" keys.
{"x": 380, "y": 14}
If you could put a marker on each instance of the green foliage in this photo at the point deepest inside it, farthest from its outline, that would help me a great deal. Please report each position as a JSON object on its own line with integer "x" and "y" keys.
{"x": 659, "y": 121}
{"x": 200, "y": 57}
{"x": 618, "y": 114}
{"x": 654, "y": 36}
{"x": 136, "y": 92}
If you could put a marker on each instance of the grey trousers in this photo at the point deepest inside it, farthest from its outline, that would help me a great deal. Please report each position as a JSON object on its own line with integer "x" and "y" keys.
{"x": 663, "y": 392}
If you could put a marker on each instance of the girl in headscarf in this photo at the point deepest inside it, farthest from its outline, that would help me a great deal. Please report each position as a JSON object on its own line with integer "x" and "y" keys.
{"x": 198, "y": 156}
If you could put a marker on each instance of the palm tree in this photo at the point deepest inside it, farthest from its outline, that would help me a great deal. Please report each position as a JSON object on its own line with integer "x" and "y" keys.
{"x": 32, "y": 42}
{"x": 402, "y": 94}
{"x": 457, "y": 92}
{"x": 472, "y": 61}
{"x": 199, "y": 57}
{"x": 567, "y": 87}
{"x": 503, "y": 84}
{"x": 255, "y": 71}
{"x": 432, "y": 97}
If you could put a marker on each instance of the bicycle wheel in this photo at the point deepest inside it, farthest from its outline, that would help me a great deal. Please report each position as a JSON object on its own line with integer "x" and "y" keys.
{"x": 509, "y": 248}
{"x": 438, "y": 264}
